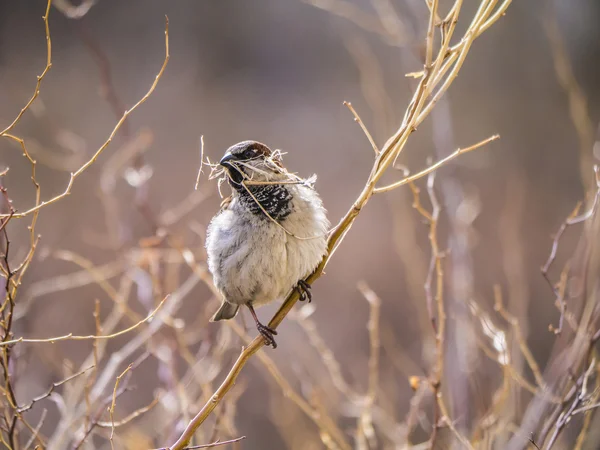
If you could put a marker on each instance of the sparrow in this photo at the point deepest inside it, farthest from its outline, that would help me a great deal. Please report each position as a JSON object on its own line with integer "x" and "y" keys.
{"x": 268, "y": 236}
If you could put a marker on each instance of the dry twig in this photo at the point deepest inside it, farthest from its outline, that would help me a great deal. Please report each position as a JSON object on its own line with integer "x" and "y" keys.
{"x": 103, "y": 147}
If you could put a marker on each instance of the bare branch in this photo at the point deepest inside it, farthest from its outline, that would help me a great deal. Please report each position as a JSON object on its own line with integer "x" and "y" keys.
{"x": 98, "y": 152}
{"x": 71, "y": 337}
{"x": 111, "y": 410}
{"x": 40, "y": 77}
{"x": 48, "y": 393}
{"x": 435, "y": 166}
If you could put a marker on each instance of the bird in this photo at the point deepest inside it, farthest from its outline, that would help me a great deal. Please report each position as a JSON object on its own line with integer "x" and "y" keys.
{"x": 269, "y": 235}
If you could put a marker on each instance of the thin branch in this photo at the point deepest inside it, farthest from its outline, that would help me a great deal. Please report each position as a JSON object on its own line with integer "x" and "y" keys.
{"x": 201, "y": 162}
{"x": 565, "y": 417}
{"x": 48, "y": 393}
{"x": 104, "y": 404}
{"x": 71, "y": 337}
{"x": 531, "y": 362}
{"x": 435, "y": 166}
{"x": 358, "y": 120}
{"x": 430, "y": 38}
{"x": 36, "y": 431}
{"x": 216, "y": 443}
{"x": 111, "y": 410}
{"x": 135, "y": 414}
{"x": 98, "y": 152}
{"x": 533, "y": 443}
{"x": 444, "y": 410}
{"x": 40, "y": 77}
{"x": 573, "y": 219}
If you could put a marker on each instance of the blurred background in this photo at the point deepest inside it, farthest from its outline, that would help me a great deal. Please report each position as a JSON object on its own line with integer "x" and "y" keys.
{"x": 278, "y": 72}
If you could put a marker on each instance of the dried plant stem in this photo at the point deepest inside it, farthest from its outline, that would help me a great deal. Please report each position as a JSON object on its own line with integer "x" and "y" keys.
{"x": 586, "y": 421}
{"x": 433, "y": 6}
{"x": 40, "y": 77}
{"x": 533, "y": 365}
{"x": 565, "y": 417}
{"x": 435, "y": 166}
{"x": 15, "y": 281}
{"x": 36, "y": 431}
{"x": 98, "y": 152}
{"x": 358, "y": 120}
{"x": 573, "y": 219}
{"x": 217, "y": 443}
{"x": 201, "y": 163}
{"x": 444, "y": 410}
{"x": 113, "y": 403}
{"x": 49, "y": 392}
{"x": 71, "y": 337}
{"x": 138, "y": 412}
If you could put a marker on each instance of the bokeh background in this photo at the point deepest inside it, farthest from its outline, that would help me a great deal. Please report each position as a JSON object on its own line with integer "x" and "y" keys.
{"x": 278, "y": 72}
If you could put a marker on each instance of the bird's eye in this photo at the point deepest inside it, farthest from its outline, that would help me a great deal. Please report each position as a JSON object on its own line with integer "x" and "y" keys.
{"x": 249, "y": 154}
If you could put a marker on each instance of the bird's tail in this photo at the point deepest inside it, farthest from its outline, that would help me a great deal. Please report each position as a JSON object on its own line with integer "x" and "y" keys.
{"x": 226, "y": 311}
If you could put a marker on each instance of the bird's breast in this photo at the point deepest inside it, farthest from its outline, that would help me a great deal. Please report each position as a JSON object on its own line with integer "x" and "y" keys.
{"x": 268, "y": 202}
{"x": 258, "y": 258}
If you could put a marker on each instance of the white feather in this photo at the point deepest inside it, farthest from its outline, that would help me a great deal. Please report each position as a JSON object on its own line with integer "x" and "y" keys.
{"x": 254, "y": 260}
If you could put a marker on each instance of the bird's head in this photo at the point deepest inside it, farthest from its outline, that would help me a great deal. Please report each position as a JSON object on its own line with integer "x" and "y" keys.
{"x": 251, "y": 160}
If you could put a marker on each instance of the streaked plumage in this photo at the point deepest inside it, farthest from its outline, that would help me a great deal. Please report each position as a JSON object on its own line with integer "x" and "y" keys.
{"x": 266, "y": 238}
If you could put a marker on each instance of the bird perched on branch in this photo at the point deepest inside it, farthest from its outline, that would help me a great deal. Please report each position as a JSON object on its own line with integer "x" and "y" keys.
{"x": 269, "y": 235}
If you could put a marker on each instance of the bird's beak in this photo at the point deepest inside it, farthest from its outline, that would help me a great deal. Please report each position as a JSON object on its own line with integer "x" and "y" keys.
{"x": 225, "y": 160}
{"x": 235, "y": 174}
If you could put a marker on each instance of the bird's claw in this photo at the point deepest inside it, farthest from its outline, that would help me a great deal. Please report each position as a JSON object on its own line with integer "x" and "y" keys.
{"x": 303, "y": 289}
{"x": 267, "y": 333}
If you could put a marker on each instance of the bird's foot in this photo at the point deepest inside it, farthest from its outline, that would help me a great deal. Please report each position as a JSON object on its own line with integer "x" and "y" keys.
{"x": 303, "y": 289}
{"x": 267, "y": 333}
